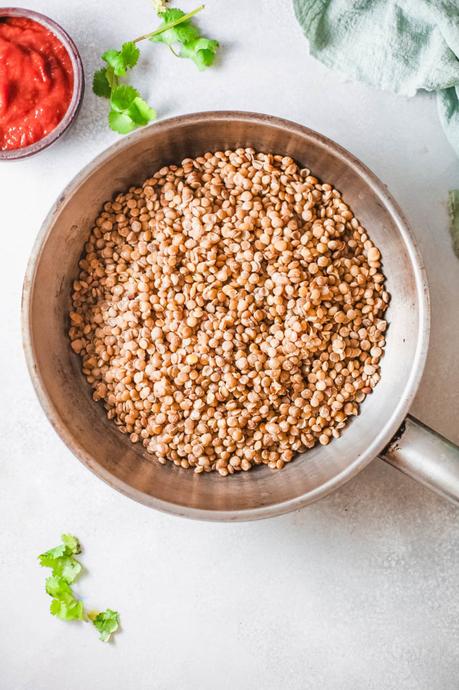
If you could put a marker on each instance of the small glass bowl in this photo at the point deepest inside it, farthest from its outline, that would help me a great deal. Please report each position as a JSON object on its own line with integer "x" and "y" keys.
{"x": 78, "y": 83}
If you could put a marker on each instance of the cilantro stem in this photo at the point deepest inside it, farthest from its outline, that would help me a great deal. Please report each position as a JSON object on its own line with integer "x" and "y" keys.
{"x": 168, "y": 26}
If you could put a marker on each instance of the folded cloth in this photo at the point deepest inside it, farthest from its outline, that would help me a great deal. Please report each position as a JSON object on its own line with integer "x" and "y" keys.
{"x": 400, "y": 46}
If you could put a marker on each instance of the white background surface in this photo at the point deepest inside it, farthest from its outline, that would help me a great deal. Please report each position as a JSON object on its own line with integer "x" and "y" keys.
{"x": 357, "y": 592}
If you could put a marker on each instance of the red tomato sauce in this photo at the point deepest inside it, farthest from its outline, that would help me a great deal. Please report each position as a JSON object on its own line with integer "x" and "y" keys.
{"x": 36, "y": 82}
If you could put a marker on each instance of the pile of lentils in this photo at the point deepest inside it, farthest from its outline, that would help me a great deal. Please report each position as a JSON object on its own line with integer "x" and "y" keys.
{"x": 229, "y": 312}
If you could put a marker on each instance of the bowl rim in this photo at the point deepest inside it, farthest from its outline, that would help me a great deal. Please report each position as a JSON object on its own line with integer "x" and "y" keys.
{"x": 78, "y": 83}
{"x": 382, "y": 437}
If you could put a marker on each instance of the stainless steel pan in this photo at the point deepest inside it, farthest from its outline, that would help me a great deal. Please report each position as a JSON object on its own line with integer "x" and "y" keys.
{"x": 382, "y": 427}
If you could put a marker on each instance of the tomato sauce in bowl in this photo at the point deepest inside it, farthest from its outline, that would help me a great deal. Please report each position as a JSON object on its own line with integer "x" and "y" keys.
{"x": 40, "y": 82}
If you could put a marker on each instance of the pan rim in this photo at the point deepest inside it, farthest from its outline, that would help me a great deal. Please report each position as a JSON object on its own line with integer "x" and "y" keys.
{"x": 384, "y": 435}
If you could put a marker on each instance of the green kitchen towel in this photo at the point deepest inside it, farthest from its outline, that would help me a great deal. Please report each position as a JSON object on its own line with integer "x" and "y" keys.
{"x": 403, "y": 46}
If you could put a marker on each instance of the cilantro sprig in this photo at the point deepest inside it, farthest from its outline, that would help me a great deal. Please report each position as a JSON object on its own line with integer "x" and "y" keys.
{"x": 65, "y": 569}
{"x": 178, "y": 30}
{"x": 65, "y": 605}
{"x": 128, "y": 110}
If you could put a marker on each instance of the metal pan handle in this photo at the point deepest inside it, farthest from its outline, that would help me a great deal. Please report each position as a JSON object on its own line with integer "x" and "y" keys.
{"x": 426, "y": 456}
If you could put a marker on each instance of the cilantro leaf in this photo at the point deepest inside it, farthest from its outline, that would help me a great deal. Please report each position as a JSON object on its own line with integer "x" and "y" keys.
{"x": 67, "y": 608}
{"x": 130, "y": 54}
{"x": 106, "y": 622}
{"x": 184, "y": 32}
{"x": 128, "y": 110}
{"x": 57, "y": 586}
{"x": 202, "y": 52}
{"x": 187, "y": 37}
{"x": 61, "y": 560}
{"x": 171, "y": 14}
{"x": 115, "y": 59}
{"x": 100, "y": 83}
{"x": 64, "y": 604}
{"x": 69, "y": 570}
{"x": 122, "y": 60}
{"x": 71, "y": 543}
{"x": 122, "y": 97}
{"x": 141, "y": 112}
{"x": 51, "y": 557}
{"x": 121, "y": 122}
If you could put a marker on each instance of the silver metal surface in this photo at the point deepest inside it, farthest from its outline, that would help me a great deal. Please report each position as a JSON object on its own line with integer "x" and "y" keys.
{"x": 427, "y": 457}
{"x": 56, "y": 371}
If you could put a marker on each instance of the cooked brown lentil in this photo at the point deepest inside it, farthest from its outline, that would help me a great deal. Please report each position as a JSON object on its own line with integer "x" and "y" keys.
{"x": 229, "y": 312}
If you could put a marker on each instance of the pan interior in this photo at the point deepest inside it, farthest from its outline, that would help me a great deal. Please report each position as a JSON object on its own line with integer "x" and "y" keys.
{"x": 66, "y": 396}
